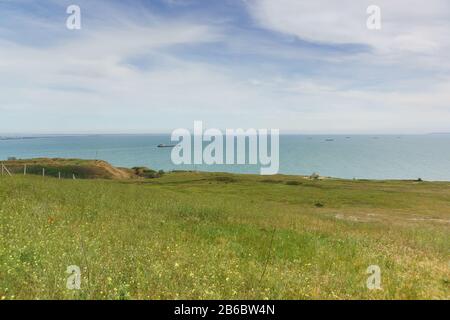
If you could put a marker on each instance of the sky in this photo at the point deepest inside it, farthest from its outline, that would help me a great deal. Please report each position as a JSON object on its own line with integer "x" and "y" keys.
{"x": 294, "y": 65}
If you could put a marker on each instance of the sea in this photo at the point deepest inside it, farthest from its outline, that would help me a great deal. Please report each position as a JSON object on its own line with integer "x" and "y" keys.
{"x": 342, "y": 156}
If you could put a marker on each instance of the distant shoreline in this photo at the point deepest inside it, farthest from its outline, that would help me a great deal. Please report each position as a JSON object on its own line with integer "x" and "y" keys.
{"x": 6, "y": 136}
{"x": 18, "y": 138}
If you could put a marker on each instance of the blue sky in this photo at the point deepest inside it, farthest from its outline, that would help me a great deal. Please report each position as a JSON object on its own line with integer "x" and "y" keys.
{"x": 154, "y": 66}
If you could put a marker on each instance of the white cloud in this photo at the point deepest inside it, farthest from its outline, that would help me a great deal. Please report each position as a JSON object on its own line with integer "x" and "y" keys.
{"x": 407, "y": 25}
{"x": 87, "y": 81}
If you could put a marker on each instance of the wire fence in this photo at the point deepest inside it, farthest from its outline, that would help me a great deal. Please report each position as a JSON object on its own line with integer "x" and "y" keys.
{"x": 5, "y": 171}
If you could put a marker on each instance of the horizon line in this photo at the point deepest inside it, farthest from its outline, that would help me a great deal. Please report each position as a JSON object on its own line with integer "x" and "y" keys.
{"x": 282, "y": 132}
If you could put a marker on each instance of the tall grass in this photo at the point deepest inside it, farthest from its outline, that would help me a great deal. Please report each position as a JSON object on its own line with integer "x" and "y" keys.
{"x": 219, "y": 236}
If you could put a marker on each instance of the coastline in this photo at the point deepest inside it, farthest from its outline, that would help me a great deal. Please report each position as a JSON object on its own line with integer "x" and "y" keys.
{"x": 52, "y": 165}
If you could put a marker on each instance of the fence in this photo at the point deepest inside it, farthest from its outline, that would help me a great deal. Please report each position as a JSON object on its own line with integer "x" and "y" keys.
{"x": 6, "y": 171}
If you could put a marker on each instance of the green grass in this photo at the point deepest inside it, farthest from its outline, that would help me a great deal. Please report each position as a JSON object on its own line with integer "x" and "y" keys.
{"x": 221, "y": 236}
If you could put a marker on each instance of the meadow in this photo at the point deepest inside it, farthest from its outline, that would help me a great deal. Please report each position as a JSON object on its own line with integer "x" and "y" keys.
{"x": 191, "y": 235}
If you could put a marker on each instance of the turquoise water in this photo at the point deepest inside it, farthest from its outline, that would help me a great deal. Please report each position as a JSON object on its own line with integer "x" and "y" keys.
{"x": 358, "y": 156}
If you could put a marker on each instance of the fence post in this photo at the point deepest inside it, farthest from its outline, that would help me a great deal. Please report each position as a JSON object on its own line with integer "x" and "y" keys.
{"x": 5, "y": 169}
{"x": 43, "y": 172}
{"x": 8, "y": 172}
{"x": 25, "y": 170}
{"x": 73, "y": 176}
{"x": 59, "y": 175}
{"x": 2, "y": 167}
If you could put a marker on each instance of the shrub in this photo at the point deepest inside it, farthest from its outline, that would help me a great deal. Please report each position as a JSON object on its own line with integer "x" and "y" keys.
{"x": 319, "y": 205}
{"x": 271, "y": 181}
{"x": 225, "y": 179}
{"x": 293, "y": 183}
{"x": 145, "y": 172}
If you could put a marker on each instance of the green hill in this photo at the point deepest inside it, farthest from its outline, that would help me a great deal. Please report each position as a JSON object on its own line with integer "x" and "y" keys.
{"x": 82, "y": 169}
{"x": 210, "y": 236}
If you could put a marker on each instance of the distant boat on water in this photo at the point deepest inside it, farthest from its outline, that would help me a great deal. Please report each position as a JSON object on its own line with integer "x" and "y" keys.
{"x": 166, "y": 145}
{"x": 329, "y": 140}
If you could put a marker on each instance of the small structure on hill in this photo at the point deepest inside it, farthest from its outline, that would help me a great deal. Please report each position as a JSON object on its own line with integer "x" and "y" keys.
{"x": 314, "y": 176}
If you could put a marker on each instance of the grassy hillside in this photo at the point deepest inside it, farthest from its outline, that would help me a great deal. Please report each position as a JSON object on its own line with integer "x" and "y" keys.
{"x": 209, "y": 236}
{"x": 82, "y": 169}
